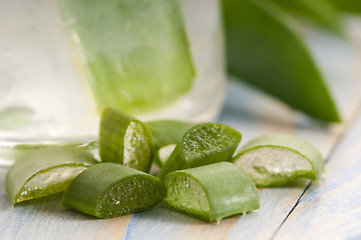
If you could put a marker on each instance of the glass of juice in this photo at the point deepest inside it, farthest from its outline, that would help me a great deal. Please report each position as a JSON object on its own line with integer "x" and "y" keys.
{"x": 62, "y": 61}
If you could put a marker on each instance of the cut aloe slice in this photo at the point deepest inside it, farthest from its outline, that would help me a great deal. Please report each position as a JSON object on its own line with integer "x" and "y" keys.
{"x": 44, "y": 172}
{"x": 278, "y": 159}
{"x": 166, "y": 133}
{"x": 135, "y": 52}
{"x": 109, "y": 190}
{"x": 265, "y": 52}
{"x": 205, "y": 143}
{"x": 321, "y": 12}
{"x": 124, "y": 139}
{"x": 211, "y": 192}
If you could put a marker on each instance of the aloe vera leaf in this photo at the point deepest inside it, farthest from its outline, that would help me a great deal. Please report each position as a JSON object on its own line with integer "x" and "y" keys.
{"x": 211, "y": 192}
{"x": 44, "y": 172}
{"x": 109, "y": 190}
{"x": 166, "y": 133}
{"x": 351, "y": 6}
{"x": 321, "y": 12}
{"x": 135, "y": 52}
{"x": 125, "y": 140}
{"x": 278, "y": 159}
{"x": 204, "y": 144}
{"x": 262, "y": 50}
{"x": 21, "y": 150}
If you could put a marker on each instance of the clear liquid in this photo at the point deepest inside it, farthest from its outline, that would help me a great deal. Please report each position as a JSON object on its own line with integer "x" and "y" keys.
{"x": 44, "y": 96}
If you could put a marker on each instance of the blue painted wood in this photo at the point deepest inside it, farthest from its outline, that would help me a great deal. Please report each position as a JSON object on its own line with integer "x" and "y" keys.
{"x": 46, "y": 219}
{"x": 332, "y": 210}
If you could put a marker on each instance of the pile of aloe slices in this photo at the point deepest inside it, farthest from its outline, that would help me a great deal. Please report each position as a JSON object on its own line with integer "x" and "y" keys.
{"x": 203, "y": 176}
{"x": 124, "y": 43}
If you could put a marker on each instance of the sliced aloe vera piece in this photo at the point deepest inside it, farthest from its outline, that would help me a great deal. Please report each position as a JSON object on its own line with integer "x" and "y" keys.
{"x": 278, "y": 159}
{"x": 211, "y": 192}
{"x": 124, "y": 139}
{"x": 135, "y": 51}
{"x": 352, "y": 6}
{"x": 44, "y": 172}
{"x": 109, "y": 190}
{"x": 166, "y": 133}
{"x": 321, "y": 12}
{"x": 265, "y": 52}
{"x": 205, "y": 143}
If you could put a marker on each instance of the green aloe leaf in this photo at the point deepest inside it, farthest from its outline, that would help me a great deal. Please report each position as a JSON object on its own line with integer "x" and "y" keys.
{"x": 352, "y": 6}
{"x": 262, "y": 50}
{"x": 135, "y": 52}
{"x": 321, "y": 12}
{"x": 211, "y": 192}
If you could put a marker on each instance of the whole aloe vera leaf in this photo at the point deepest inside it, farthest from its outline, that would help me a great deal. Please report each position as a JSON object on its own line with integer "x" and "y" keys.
{"x": 320, "y": 12}
{"x": 263, "y": 51}
{"x": 135, "y": 52}
{"x": 352, "y": 6}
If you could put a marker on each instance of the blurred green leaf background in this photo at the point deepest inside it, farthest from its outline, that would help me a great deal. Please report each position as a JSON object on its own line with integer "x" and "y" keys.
{"x": 265, "y": 49}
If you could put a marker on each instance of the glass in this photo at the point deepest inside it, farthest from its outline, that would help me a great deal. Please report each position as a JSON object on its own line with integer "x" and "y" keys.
{"x": 44, "y": 98}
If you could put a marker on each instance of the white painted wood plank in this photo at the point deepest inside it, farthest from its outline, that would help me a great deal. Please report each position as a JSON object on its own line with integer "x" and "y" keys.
{"x": 162, "y": 223}
{"x": 276, "y": 203}
{"x": 47, "y": 219}
{"x": 332, "y": 210}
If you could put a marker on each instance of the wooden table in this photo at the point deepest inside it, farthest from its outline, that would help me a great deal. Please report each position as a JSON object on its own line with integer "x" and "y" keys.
{"x": 330, "y": 209}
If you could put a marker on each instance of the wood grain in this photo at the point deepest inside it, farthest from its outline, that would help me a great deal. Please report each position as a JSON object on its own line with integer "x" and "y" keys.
{"x": 162, "y": 223}
{"x": 46, "y": 219}
{"x": 333, "y": 209}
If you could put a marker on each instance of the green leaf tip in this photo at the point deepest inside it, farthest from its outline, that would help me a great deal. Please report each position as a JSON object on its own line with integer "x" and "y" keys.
{"x": 263, "y": 51}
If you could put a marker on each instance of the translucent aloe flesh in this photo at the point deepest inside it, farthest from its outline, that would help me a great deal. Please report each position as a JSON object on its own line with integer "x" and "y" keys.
{"x": 211, "y": 192}
{"x": 278, "y": 159}
{"x": 165, "y": 134}
{"x": 135, "y": 52}
{"x": 265, "y": 52}
{"x": 110, "y": 190}
{"x": 125, "y": 140}
{"x": 44, "y": 172}
{"x": 205, "y": 143}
